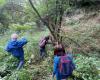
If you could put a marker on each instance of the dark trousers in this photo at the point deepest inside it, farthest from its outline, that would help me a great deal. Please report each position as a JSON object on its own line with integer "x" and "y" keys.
{"x": 20, "y": 63}
{"x": 42, "y": 52}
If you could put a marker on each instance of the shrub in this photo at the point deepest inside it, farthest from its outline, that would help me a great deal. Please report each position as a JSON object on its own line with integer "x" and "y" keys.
{"x": 86, "y": 68}
{"x": 18, "y": 27}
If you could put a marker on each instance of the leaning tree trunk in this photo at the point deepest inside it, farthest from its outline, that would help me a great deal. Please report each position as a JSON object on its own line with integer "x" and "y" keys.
{"x": 44, "y": 21}
{"x": 54, "y": 25}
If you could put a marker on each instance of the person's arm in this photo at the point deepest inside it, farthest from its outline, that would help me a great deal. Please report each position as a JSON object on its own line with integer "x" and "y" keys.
{"x": 70, "y": 56}
{"x": 73, "y": 65}
{"x": 22, "y": 42}
{"x": 56, "y": 61}
{"x": 49, "y": 42}
{"x": 8, "y": 47}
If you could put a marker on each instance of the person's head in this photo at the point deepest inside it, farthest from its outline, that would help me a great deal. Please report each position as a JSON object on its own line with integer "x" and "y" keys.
{"x": 14, "y": 36}
{"x": 61, "y": 52}
{"x": 69, "y": 49}
{"x": 55, "y": 44}
{"x": 60, "y": 49}
{"x": 47, "y": 38}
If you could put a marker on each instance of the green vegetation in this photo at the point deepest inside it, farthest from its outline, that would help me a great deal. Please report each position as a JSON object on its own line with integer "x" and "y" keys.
{"x": 75, "y": 23}
{"x": 2, "y": 2}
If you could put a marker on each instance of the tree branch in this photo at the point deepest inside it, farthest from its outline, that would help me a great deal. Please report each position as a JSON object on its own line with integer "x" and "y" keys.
{"x": 45, "y": 22}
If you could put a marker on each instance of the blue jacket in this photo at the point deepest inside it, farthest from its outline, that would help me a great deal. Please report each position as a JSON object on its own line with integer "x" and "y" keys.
{"x": 56, "y": 68}
{"x": 15, "y": 47}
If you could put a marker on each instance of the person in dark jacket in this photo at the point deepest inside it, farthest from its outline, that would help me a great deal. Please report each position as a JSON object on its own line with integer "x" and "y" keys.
{"x": 15, "y": 47}
{"x": 42, "y": 44}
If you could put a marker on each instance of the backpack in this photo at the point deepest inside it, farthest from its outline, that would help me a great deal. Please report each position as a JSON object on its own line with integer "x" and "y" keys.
{"x": 66, "y": 66}
{"x": 42, "y": 42}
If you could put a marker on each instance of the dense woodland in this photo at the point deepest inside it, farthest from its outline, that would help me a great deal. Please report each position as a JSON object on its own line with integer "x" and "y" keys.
{"x": 74, "y": 23}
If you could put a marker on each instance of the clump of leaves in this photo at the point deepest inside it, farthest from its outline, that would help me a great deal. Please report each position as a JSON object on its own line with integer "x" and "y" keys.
{"x": 20, "y": 75}
{"x": 18, "y": 27}
{"x": 86, "y": 68}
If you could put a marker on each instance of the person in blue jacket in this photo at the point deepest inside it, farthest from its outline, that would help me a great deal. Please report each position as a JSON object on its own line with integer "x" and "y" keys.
{"x": 15, "y": 47}
{"x": 56, "y": 61}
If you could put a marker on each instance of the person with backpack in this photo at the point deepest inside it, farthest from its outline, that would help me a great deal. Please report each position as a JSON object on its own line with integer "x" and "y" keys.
{"x": 15, "y": 47}
{"x": 63, "y": 66}
{"x": 42, "y": 44}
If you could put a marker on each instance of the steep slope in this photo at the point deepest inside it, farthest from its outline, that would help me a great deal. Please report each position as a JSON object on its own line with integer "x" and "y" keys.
{"x": 84, "y": 29}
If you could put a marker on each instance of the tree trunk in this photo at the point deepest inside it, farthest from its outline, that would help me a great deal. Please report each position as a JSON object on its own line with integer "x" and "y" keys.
{"x": 44, "y": 21}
